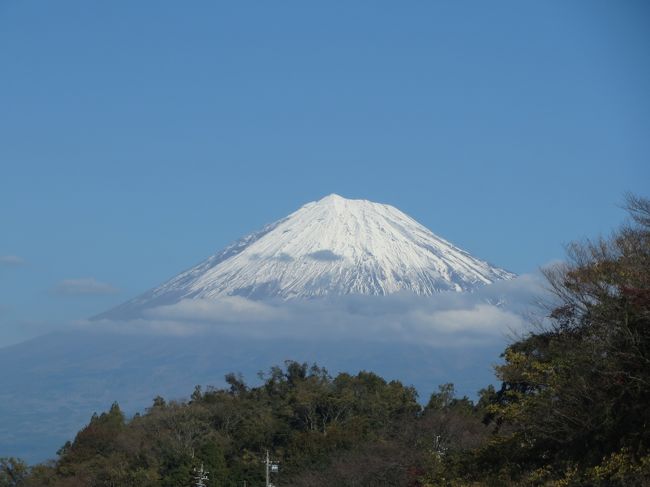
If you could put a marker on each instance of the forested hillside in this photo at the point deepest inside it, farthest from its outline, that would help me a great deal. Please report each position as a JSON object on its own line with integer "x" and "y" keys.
{"x": 573, "y": 408}
{"x": 357, "y": 429}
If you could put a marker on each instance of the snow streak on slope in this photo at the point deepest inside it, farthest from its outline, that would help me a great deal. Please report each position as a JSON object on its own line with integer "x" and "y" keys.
{"x": 330, "y": 247}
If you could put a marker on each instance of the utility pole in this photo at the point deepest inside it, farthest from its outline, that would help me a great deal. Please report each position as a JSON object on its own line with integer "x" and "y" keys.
{"x": 439, "y": 449}
{"x": 270, "y": 467}
{"x": 200, "y": 476}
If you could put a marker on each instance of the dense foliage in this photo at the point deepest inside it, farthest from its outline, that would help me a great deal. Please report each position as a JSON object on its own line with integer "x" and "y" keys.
{"x": 348, "y": 430}
{"x": 573, "y": 408}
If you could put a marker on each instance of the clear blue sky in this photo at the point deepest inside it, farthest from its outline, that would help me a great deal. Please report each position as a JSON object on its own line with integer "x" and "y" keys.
{"x": 137, "y": 138}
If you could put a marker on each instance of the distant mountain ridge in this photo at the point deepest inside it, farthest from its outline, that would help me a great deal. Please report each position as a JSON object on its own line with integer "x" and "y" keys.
{"x": 331, "y": 247}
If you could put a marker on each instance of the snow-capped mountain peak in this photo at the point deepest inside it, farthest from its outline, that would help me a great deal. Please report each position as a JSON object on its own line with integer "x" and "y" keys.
{"x": 334, "y": 246}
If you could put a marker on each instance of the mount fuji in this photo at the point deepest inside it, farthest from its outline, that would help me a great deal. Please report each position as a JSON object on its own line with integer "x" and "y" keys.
{"x": 349, "y": 284}
{"x": 331, "y": 247}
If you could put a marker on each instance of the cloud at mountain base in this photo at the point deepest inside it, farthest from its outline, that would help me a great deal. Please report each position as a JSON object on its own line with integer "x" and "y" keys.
{"x": 489, "y": 315}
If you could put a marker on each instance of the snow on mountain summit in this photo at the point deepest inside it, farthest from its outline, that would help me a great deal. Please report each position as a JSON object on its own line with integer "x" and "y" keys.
{"x": 334, "y": 246}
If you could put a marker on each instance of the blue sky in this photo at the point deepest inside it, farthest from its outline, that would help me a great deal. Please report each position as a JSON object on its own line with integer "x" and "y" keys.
{"x": 137, "y": 138}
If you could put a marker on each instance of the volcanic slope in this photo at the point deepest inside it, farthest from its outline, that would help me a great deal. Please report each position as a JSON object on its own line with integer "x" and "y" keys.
{"x": 331, "y": 247}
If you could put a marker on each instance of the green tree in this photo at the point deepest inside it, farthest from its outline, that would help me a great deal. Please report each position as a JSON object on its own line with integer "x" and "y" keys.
{"x": 13, "y": 472}
{"x": 576, "y": 392}
{"x": 98, "y": 438}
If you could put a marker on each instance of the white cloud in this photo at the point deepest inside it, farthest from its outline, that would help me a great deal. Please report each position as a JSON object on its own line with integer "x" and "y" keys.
{"x": 11, "y": 260}
{"x": 88, "y": 286}
{"x": 229, "y": 309}
{"x": 448, "y": 319}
